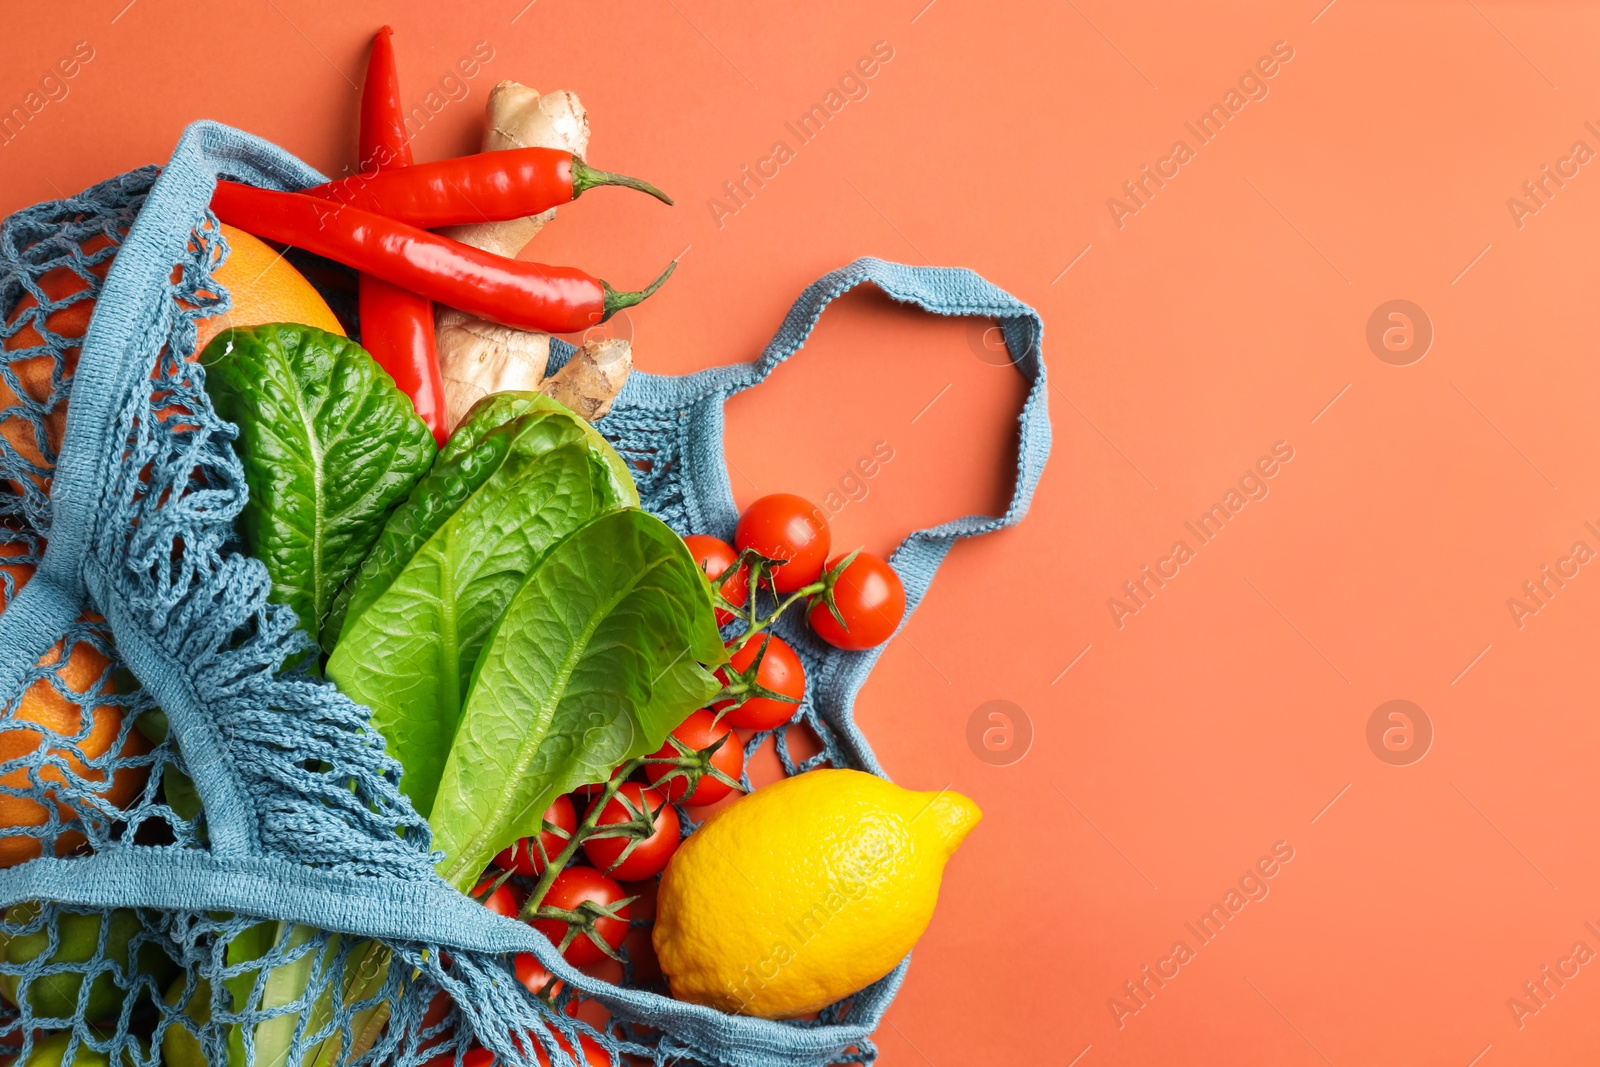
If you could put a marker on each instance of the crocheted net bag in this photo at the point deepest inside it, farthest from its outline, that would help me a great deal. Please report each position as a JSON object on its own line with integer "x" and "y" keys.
{"x": 284, "y": 905}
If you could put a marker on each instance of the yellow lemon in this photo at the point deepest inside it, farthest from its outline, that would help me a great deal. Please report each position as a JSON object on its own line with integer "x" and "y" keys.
{"x": 804, "y": 892}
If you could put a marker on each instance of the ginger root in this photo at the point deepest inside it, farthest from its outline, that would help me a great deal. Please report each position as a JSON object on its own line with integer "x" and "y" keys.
{"x": 592, "y": 378}
{"x": 477, "y": 357}
{"x": 520, "y": 117}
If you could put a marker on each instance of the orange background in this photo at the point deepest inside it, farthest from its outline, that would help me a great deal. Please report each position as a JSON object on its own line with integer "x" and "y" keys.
{"x": 1226, "y": 315}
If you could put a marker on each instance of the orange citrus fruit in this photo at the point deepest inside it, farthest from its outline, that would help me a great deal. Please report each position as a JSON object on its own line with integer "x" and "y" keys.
{"x": 51, "y": 715}
{"x": 264, "y": 288}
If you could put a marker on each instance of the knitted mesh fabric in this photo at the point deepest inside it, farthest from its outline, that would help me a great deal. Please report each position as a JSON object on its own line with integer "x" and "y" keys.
{"x": 230, "y": 834}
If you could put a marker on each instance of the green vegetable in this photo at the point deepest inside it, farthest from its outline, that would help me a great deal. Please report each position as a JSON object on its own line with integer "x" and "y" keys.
{"x": 273, "y": 1039}
{"x": 447, "y": 564}
{"x": 597, "y": 658}
{"x": 52, "y": 1052}
{"x": 55, "y": 995}
{"x": 460, "y": 469}
{"x": 497, "y": 409}
{"x": 329, "y": 447}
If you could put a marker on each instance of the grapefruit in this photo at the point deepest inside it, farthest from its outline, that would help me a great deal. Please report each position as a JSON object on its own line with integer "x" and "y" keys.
{"x": 44, "y": 715}
{"x": 264, "y": 287}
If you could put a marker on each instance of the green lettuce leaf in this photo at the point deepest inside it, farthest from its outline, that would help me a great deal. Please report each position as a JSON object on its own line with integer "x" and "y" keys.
{"x": 329, "y": 447}
{"x": 447, "y": 564}
{"x": 602, "y": 652}
{"x": 461, "y": 468}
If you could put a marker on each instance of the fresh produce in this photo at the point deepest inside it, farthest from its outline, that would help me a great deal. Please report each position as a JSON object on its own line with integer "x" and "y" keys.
{"x": 697, "y": 785}
{"x": 867, "y": 605}
{"x": 528, "y": 296}
{"x": 329, "y": 448}
{"x": 530, "y": 855}
{"x": 804, "y": 892}
{"x": 519, "y": 117}
{"x": 261, "y": 287}
{"x": 764, "y": 681}
{"x": 445, "y": 570}
{"x": 717, "y": 558}
{"x": 502, "y": 407}
{"x": 597, "y": 657}
{"x": 653, "y": 835}
{"x": 56, "y": 993}
{"x": 255, "y": 985}
{"x": 585, "y": 914}
{"x": 487, "y": 187}
{"x": 51, "y": 1051}
{"x": 592, "y": 377}
{"x": 789, "y": 529}
{"x": 43, "y": 713}
{"x": 593, "y": 1054}
{"x": 396, "y": 325}
{"x": 499, "y": 899}
{"x": 476, "y": 356}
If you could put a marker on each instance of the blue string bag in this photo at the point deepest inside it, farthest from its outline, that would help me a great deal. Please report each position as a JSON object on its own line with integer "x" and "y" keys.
{"x": 264, "y": 895}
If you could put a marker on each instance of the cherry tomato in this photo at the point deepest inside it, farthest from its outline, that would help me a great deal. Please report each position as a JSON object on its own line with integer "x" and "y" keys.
{"x": 780, "y": 671}
{"x": 715, "y": 557}
{"x": 871, "y": 599}
{"x": 504, "y": 901}
{"x": 478, "y": 1056}
{"x": 649, "y": 857}
{"x": 699, "y": 731}
{"x": 438, "y": 1011}
{"x": 787, "y": 527}
{"x": 572, "y": 887}
{"x": 523, "y": 857}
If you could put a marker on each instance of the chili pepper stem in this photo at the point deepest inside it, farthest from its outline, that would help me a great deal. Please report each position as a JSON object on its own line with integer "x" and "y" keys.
{"x": 585, "y": 177}
{"x": 615, "y": 301}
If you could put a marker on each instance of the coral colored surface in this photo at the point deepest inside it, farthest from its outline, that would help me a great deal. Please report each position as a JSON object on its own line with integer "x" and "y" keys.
{"x": 1217, "y": 722}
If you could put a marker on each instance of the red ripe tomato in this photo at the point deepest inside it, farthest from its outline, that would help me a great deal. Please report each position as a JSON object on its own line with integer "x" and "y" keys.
{"x": 572, "y": 887}
{"x": 715, "y": 557}
{"x": 478, "y": 1056}
{"x": 649, "y": 857}
{"x": 699, "y": 731}
{"x": 787, "y": 527}
{"x": 504, "y": 901}
{"x": 531, "y": 973}
{"x": 780, "y": 671}
{"x": 524, "y": 858}
{"x": 870, "y": 597}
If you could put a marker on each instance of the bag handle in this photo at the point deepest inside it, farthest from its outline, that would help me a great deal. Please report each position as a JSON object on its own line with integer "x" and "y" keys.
{"x": 937, "y": 290}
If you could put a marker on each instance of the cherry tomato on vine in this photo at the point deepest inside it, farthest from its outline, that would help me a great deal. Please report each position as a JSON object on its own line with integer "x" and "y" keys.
{"x": 787, "y": 527}
{"x": 649, "y": 857}
{"x": 780, "y": 671}
{"x": 505, "y": 901}
{"x": 523, "y": 857}
{"x": 869, "y": 595}
{"x": 715, "y": 557}
{"x": 699, "y": 731}
{"x": 531, "y": 973}
{"x": 572, "y": 887}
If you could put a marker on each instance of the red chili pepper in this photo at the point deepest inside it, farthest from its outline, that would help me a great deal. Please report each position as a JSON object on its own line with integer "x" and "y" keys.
{"x": 487, "y": 187}
{"x": 524, "y": 296}
{"x": 383, "y": 140}
{"x": 396, "y": 325}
